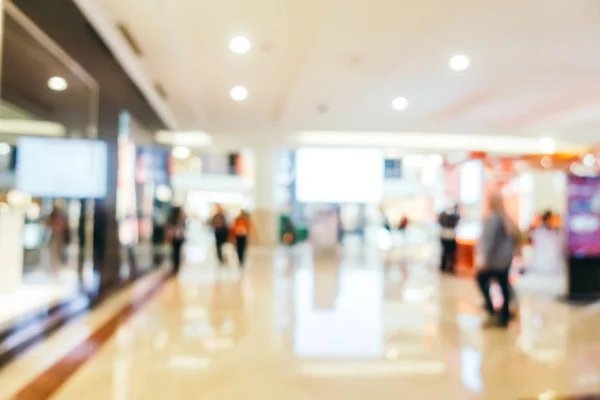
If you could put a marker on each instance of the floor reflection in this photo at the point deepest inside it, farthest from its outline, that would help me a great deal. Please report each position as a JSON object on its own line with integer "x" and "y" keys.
{"x": 331, "y": 331}
{"x": 368, "y": 324}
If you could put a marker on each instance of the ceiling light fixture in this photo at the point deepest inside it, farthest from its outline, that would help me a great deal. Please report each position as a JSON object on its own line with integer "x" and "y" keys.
{"x": 181, "y": 152}
{"x": 238, "y": 93}
{"x": 459, "y": 62}
{"x": 399, "y": 103}
{"x": 57, "y": 83}
{"x": 240, "y": 45}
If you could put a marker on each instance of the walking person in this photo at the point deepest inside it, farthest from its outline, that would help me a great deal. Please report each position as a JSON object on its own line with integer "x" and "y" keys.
{"x": 177, "y": 235}
{"x": 494, "y": 258}
{"x": 241, "y": 228}
{"x": 448, "y": 221}
{"x": 219, "y": 225}
{"x": 289, "y": 232}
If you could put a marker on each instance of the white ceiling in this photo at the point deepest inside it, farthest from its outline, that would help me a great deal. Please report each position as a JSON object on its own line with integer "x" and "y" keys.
{"x": 535, "y": 64}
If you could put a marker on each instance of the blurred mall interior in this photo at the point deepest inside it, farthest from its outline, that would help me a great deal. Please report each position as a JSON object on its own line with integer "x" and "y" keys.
{"x": 373, "y": 144}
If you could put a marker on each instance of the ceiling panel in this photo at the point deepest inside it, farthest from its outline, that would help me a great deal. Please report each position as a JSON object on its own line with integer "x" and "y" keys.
{"x": 337, "y": 64}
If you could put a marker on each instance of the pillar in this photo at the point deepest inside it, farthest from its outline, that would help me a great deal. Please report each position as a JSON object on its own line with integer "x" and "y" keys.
{"x": 265, "y": 213}
{"x": 107, "y": 248}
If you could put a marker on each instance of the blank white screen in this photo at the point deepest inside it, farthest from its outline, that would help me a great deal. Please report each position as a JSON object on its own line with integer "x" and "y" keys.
{"x": 329, "y": 175}
{"x": 471, "y": 182}
{"x": 67, "y": 168}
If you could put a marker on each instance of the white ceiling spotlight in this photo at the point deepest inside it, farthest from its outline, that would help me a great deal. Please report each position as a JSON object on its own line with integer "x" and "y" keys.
{"x": 400, "y": 103}
{"x": 57, "y": 83}
{"x": 459, "y": 62}
{"x": 240, "y": 45}
{"x": 238, "y": 93}
{"x": 181, "y": 152}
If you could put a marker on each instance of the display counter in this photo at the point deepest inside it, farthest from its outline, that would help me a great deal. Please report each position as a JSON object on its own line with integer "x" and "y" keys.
{"x": 467, "y": 235}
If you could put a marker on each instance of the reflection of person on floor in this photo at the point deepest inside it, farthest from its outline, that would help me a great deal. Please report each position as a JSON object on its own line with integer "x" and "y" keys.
{"x": 177, "y": 236}
{"x": 448, "y": 221}
{"x": 494, "y": 257}
{"x": 219, "y": 225}
{"x": 58, "y": 226}
{"x": 403, "y": 223}
{"x": 242, "y": 226}
{"x": 289, "y": 238}
{"x": 227, "y": 313}
{"x": 385, "y": 219}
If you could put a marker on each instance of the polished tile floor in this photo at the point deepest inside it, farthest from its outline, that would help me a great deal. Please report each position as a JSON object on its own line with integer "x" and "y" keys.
{"x": 355, "y": 327}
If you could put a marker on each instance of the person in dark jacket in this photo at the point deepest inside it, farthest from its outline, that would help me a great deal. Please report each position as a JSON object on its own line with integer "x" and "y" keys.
{"x": 219, "y": 224}
{"x": 448, "y": 221}
{"x": 177, "y": 235}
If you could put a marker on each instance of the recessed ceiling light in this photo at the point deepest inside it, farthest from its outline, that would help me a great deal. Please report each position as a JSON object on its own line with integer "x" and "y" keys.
{"x": 459, "y": 62}
{"x": 57, "y": 83}
{"x": 240, "y": 45}
{"x": 238, "y": 93}
{"x": 4, "y": 149}
{"x": 399, "y": 103}
{"x": 181, "y": 152}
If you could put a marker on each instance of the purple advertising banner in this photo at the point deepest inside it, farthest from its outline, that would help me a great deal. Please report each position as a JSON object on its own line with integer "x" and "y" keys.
{"x": 583, "y": 219}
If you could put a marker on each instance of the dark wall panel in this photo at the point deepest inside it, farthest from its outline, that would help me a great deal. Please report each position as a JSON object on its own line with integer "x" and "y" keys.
{"x": 65, "y": 24}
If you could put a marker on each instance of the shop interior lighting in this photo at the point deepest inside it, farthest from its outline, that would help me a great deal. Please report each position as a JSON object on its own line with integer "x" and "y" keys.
{"x": 58, "y": 83}
{"x": 181, "y": 152}
{"x": 4, "y": 149}
{"x": 547, "y": 145}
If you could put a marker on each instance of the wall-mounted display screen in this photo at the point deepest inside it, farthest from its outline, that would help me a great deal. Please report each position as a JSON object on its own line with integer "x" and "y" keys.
{"x": 337, "y": 175}
{"x": 61, "y": 168}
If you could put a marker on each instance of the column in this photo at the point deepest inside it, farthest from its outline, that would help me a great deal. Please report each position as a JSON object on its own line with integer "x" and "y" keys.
{"x": 107, "y": 248}
{"x": 265, "y": 213}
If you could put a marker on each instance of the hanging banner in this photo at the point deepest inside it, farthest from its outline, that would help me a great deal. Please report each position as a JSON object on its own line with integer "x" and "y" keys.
{"x": 583, "y": 219}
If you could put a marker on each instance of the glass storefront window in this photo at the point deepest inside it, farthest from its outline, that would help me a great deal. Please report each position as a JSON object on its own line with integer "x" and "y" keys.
{"x": 43, "y": 93}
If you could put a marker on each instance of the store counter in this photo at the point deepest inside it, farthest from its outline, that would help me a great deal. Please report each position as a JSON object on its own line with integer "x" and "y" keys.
{"x": 467, "y": 235}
